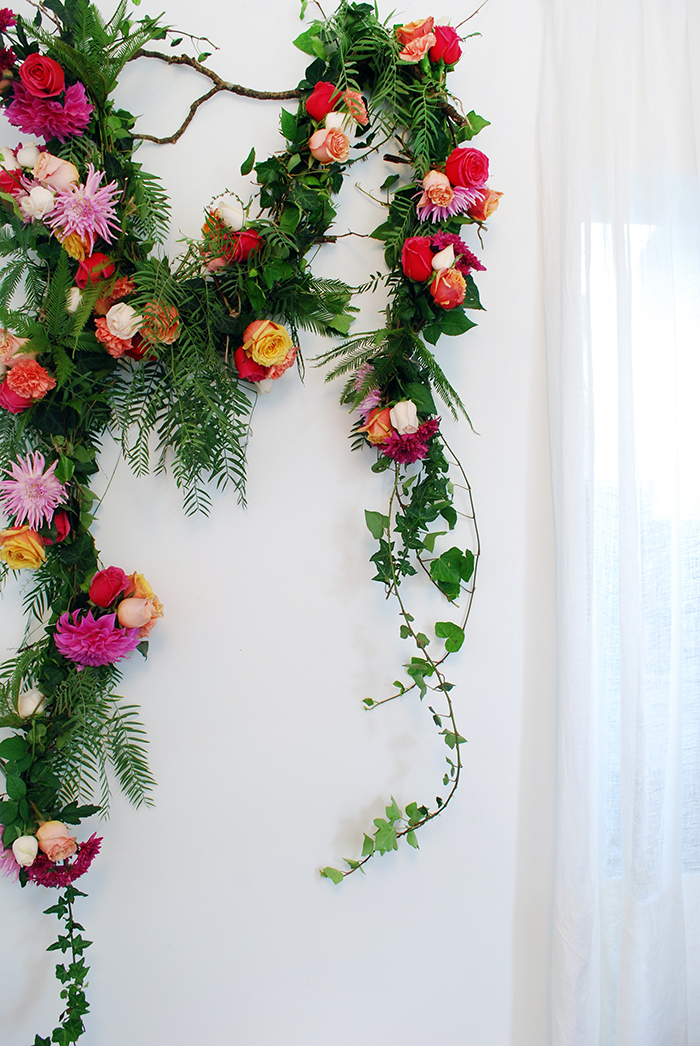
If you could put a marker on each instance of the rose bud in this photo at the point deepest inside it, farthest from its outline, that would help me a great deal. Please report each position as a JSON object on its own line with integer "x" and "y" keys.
{"x": 123, "y": 321}
{"x": 96, "y": 267}
{"x": 449, "y": 288}
{"x": 73, "y": 300}
{"x": 59, "y": 174}
{"x": 467, "y": 167}
{"x": 55, "y": 841}
{"x": 484, "y": 208}
{"x": 228, "y": 210}
{"x": 30, "y": 702}
{"x": 106, "y": 586}
{"x": 27, "y": 155}
{"x": 378, "y": 427}
{"x": 134, "y": 613}
{"x": 8, "y": 161}
{"x": 417, "y": 258}
{"x": 404, "y": 417}
{"x": 446, "y": 45}
{"x": 444, "y": 259}
{"x": 322, "y": 100}
{"x": 25, "y": 850}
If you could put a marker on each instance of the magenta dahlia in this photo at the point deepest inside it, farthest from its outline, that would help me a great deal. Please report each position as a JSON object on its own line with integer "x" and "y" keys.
{"x": 32, "y": 495}
{"x": 90, "y": 641}
{"x": 48, "y": 117}
{"x": 412, "y": 446}
{"x": 87, "y": 210}
{"x": 44, "y": 872}
{"x": 7, "y": 18}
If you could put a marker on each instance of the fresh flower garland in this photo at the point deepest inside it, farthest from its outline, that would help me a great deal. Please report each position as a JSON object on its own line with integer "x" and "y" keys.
{"x": 112, "y": 336}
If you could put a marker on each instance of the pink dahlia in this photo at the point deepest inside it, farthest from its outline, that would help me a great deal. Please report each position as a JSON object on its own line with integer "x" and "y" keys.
{"x": 8, "y": 861}
{"x": 32, "y": 495}
{"x": 466, "y": 260}
{"x": 412, "y": 446}
{"x": 48, "y": 117}
{"x": 44, "y": 872}
{"x": 7, "y": 19}
{"x": 86, "y": 210}
{"x": 94, "y": 642}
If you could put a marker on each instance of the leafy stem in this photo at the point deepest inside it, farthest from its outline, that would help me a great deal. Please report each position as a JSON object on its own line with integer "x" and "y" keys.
{"x": 71, "y": 975}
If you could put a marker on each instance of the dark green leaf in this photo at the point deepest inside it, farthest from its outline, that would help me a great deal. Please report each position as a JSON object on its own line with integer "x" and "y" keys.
{"x": 451, "y": 633}
{"x": 249, "y": 162}
{"x": 376, "y": 523}
{"x": 13, "y": 747}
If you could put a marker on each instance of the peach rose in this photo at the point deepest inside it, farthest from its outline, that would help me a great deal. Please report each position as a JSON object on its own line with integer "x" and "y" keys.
{"x": 160, "y": 323}
{"x": 329, "y": 145}
{"x": 414, "y": 30}
{"x": 59, "y": 174}
{"x": 449, "y": 288}
{"x": 135, "y": 613}
{"x": 355, "y": 105}
{"x": 55, "y": 841}
{"x": 484, "y": 208}
{"x": 266, "y": 343}
{"x": 21, "y": 547}
{"x": 436, "y": 189}
{"x": 417, "y": 49}
{"x": 11, "y": 349}
{"x": 378, "y": 426}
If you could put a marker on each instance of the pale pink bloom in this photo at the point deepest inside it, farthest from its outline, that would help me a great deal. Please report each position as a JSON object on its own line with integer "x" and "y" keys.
{"x": 87, "y": 210}
{"x": 32, "y": 495}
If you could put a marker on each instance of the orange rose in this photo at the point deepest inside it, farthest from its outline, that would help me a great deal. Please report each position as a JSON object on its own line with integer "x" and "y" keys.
{"x": 329, "y": 145}
{"x": 418, "y": 48}
{"x": 414, "y": 30}
{"x": 21, "y": 547}
{"x": 484, "y": 208}
{"x": 266, "y": 343}
{"x": 55, "y": 841}
{"x": 160, "y": 323}
{"x": 449, "y": 288}
{"x": 378, "y": 426}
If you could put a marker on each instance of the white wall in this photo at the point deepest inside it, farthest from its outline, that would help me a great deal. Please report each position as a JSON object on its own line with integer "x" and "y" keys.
{"x": 210, "y": 922}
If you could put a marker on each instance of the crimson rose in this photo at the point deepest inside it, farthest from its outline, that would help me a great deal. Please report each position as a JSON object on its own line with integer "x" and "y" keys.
{"x": 41, "y": 76}
{"x": 107, "y": 584}
{"x": 248, "y": 369}
{"x": 468, "y": 167}
{"x": 322, "y": 100}
{"x": 417, "y": 258}
{"x": 446, "y": 46}
{"x": 243, "y": 243}
{"x": 93, "y": 268}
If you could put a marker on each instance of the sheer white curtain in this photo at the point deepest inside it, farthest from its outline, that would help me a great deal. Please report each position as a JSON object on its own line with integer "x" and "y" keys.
{"x": 620, "y": 137}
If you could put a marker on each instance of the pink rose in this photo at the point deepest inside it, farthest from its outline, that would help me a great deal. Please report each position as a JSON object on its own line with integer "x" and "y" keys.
{"x": 355, "y": 105}
{"x": 468, "y": 167}
{"x": 55, "y": 842}
{"x": 106, "y": 586}
{"x": 59, "y": 174}
{"x": 12, "y": 401}
{"x": 446, "y": 45}
{"x": 417, "y": 49}
{"x": 449, "y": 288}
{"x": 329, "y": 145}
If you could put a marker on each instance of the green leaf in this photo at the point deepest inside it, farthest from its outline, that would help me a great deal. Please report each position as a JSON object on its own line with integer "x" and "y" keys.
{"x": 340, "y": 323}
{"x": 451, "y": 633}
{"x": 385, "y": 836}
{"x": 422, "y": 640}
{"x": 367, "y": 846}
{"x": 368, "y": 701}
{"x": 452, "y": 739}
{"x": 388, "y": 182}
{"x": 13, "y": 747}
{"x": 474, "y": 124}
{"x": 15, "y": 787}
{"x": 376, "y": 523}
{"x": 64, "y": 469}
{"x": 288, "y": 124}
{"x": 421, "y": 396}
{"x": 8, "y": 811}
{"x": 249, "y": 162}
{"x": 455, "y": 322}
{"x": 430, "y": 539}
{"x": 332, "y": 873}
{"x": 382, "y": 232}
{"x": 393, "y": 812}
{"x": 411, "y": 839}
{"x": 310, "y": 42}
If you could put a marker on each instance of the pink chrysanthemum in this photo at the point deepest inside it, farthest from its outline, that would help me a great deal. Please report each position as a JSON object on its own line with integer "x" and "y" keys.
{"x": 466, "y": 260}
{"x": 7, "y": 57}
{"x": 412, "y": 446}
{"x": 7, "y": 19}
{"x": 44, "y": 872}
{"x": 8, "y": 861}
{"x": 462, "y": 200}
{"x": 32, "y": 495}
{"x": 362, "y": 374}
{"x": 371, "y": 400}
{"x": 86, "y": 210}
{"x": 47, "y": 117}
{"x": 94, "y": 642}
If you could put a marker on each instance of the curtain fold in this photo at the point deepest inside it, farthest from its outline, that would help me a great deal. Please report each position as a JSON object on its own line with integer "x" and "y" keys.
{"x": 619, "y": 146}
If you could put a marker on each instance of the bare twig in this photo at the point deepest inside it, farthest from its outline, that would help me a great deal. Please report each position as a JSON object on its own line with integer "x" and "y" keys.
{"x": 219, "y": 85}
{"x": 468, "y": 19}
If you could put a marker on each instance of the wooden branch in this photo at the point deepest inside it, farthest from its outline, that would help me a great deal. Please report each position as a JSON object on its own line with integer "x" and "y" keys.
{"x": 219, "y": 85}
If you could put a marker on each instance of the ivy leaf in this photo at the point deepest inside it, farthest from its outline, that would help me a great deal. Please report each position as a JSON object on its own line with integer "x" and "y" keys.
{"x": 388, "y": 182}
{"x": 249, "y": 162}
{"x": 411, "y": 839}
{"x": 332, "y": 873}
{"x": 421, "y": 396}
{"x": 288, "y": 123}
{"x": 367, "y": 846}
{"x": 430, "y": 539}
{"x": 474, "y": 124}
{"x": 13, "y": 748}
{"x": 64, "y": 469}
{"x": 376, "y": 523}
{"x": 340, "y": 323}
{"x": 385, "y": 836}
{"x": 393, "y": 812}
{"x": 310, "y": 42}
{"x": 451, "y": 633}
{"x": 452, "y": 739}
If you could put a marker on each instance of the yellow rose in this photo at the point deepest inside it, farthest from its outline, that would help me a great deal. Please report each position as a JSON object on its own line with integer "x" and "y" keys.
{"x": 21, "y": 547}
{"x": 267, "y": 343}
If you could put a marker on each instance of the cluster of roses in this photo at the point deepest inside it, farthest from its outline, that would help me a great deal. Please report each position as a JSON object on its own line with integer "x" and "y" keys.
{"x": 423, "y": 39}
{"x": 46, "y": 855}
{"x": 395, "y": 429}
{"x": 41, "y": 103}
{"x": 337, "y": 111}
{"x": 123, "y": 612}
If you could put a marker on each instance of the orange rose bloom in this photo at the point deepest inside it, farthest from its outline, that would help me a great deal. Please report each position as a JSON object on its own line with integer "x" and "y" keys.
{"x": 266, "y": 343}
{"x": 484, "y": 208}
{"x": 29, "y": 379}
{"x": 449, "y": 288}
{"x": 21, "y": 547}
{"x": 414, "y": 30}
{"x": 329, "y": 145}
{"x": 378, "y": 426}
{"x": 418, "y": 48}
{"x": 160, "y": 323}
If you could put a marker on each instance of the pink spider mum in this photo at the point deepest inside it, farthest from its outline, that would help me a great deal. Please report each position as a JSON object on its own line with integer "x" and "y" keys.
{"x": 412, "y": 446}
{"x": 462, "y": 200}
{"x": 44, "y": 872}
{"x": 32, "y": 495}
{"x": 86, "y": 210}
{"x": 8, "y": 861}
{"x": 48, "y": 117}
{"x": 94, "y": 642}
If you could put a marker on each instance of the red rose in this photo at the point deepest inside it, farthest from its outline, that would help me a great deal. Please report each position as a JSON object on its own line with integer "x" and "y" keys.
{"x": 322, "y": 100}
{"x": 9, "y": 181}
{"x": 248, "y": 369}
{"x": 244, "y": 243}
{"x": 106, "y": 586}
{"x": 12, "y": 401}
{"x": 446, "y": 45}
{"x": 449, "y": 288}
{"x": 417, "y": 258}
{"x": 62, "y": 525}
{"x": 41, "y": 76}
{"x": 94, "y": 268}
{"x": 467, "y": 167}
{"x": 140, "y": 348}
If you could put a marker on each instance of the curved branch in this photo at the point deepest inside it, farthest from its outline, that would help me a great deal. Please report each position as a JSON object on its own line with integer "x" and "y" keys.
{"x": 219, "y": 85}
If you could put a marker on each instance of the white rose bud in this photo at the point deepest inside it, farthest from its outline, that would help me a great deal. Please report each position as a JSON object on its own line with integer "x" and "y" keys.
{"x": 444, "y": 259}
{"x": 39, "y": 203}
{"x": 73, "y": 300}
{"x": 28, "y": 155}
{"x": 229, "y": 210}
{"x": 7, "y": 159}
{"x": 123, "y": 321}
{"x": 25, "y": 850}
{"x": 266, "y": 385}
{"x": 30, "y": 702}
{"x": 404, "y": 417}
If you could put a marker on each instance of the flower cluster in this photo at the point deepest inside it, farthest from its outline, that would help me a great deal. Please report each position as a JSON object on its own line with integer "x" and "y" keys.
{"x": 266, "y": 353}
{"x": 397, "y": 429}
{"x": 127, "y": 610}
{"x": 226, "y": 241}
{"x": 444, "y": 260}
{"x": 43, "y": 105}
{"x": 422, "y": 38}
{"x": 32, "y": 494}
{"x": 337, "y": 111}
{"x": 52, "y": 857}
